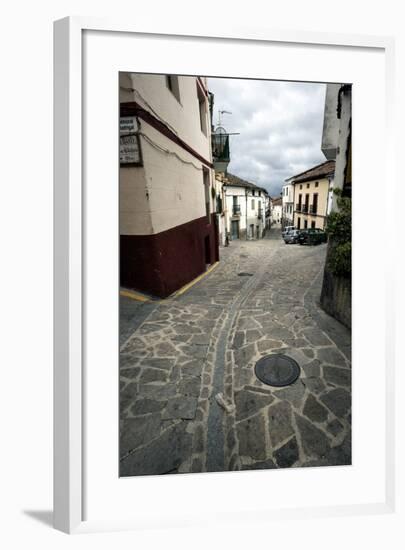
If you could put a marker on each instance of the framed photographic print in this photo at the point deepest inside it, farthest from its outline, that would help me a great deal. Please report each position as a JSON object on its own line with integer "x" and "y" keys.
{"x": 213, "y": 313}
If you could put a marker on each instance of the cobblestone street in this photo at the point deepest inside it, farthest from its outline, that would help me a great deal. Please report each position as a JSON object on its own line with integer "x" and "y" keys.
{"x": 189, "y": 397}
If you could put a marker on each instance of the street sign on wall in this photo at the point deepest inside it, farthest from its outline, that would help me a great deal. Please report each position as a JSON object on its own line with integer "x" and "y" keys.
{"x": 130, "y": 147}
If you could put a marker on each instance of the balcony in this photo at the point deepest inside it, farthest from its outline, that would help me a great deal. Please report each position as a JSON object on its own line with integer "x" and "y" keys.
{"x": 220, "y": 151}
{"x": 236, "y": 210}
{"x": 304, "y": 208}
{"x": 313, "y": 209}
{"x": 298, "y": 207}
{"x": 259, "y": 215}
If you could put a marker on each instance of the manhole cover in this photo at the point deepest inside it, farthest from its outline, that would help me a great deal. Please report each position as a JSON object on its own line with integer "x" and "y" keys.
{"x": 243, "y": 274}
{"x": 277, "y": 370}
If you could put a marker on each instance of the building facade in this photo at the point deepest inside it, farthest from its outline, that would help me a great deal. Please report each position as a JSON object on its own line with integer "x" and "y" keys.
{"x": 220, "y": 203}
{"x": 336, "y": 136}
{"x": 287, "y": 197}
{"x": 168, "y": 222}
{"x": 246, "y": 209}
{"x": 336, "y": 295}
{"x": 313, "y": 195}
{"x": 276, "y": 210}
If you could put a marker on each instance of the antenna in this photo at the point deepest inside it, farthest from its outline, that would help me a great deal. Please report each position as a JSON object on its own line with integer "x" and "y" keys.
{"x": 221, "y": 113}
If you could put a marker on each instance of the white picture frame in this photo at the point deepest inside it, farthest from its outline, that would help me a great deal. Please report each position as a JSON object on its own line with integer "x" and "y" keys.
{"x": 71, "y": 432}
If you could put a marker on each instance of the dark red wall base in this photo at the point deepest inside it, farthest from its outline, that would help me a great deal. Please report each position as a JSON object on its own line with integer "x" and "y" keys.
{"x": 161, "y": 264}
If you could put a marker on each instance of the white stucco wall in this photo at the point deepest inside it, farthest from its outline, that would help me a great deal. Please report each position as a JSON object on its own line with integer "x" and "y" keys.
{"x": 183, "y": 116}
{"x": 276, "y": 213}
{"x": 168, "y": 190}
{"x": 240, "y": 193}
{"x": 248, "y": 215}
{"x": 287, "y": 196}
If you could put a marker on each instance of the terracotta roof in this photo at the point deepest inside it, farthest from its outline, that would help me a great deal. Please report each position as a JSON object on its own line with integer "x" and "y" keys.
{"x": 276, "y": 202}
{"x": 239, "y": 182}
{"x": 320, "y": 171}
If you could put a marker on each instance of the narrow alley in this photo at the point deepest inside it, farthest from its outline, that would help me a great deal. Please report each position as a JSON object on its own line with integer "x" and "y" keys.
{"x": 190, "y": 400}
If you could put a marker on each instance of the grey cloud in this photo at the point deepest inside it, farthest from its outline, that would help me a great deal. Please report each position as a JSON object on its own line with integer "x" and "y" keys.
{"x": 280, "y": 125}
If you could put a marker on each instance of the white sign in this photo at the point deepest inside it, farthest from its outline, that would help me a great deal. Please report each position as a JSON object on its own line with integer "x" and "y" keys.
{"x": 129, "y": 141}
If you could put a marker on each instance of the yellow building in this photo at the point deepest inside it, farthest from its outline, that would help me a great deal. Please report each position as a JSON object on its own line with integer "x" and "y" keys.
{"x": 313, "y": 195}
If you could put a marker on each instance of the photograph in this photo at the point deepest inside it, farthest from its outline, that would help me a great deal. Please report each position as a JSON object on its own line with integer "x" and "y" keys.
{"x": 235, "y": 247}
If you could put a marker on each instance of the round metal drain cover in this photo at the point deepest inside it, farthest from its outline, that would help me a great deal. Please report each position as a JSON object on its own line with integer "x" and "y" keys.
{"x": 277, "y": 370}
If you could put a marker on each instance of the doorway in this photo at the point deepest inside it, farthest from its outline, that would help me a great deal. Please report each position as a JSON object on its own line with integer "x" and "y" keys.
{"x": 235, "y": 229}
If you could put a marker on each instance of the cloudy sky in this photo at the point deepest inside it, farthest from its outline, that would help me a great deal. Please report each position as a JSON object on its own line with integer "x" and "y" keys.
{"x": 280, "y": 125}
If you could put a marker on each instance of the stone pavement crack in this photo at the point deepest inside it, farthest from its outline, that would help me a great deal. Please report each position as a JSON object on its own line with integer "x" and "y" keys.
{"x": 215, "y": 429}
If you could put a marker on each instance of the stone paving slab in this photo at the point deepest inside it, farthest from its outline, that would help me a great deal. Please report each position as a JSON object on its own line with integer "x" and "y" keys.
{"x": 182, "y": 353}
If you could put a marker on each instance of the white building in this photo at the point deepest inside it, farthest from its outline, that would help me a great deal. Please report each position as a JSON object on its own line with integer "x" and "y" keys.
{"x": 246, "y": 209}
{"x": 168, "y": 232}
{"x": 220, "y": 201}
{"x": 313, "y": 193}
{"x": 287, "y": 197}
{"x": 276, "y": 210}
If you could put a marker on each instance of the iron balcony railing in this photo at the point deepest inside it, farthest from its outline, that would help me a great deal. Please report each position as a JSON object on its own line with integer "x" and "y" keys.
{"x": 304, "y": 208}
{"x": 236, "y": 210}
{"x": 220, "y": 147}
{"x": 298, "y": 207}
{"x": 259, "y": 214}
{"x": 313, "y": 209}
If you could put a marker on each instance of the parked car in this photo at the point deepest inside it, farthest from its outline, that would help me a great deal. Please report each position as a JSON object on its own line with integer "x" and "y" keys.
{"x": 291, "y": 237}
{"x": 287, "y": 229}
{"x": 312, "y": 236}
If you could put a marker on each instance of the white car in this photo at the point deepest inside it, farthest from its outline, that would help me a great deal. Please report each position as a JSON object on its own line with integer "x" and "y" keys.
{"x": 287, "y": 229}
{"x": 292, "y": 236}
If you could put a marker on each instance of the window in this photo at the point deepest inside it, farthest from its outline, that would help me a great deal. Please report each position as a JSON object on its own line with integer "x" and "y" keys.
{"x": 253, "y": 204}
{"x": 313, "y": 225}
{"x": 305, "y": 224}
{"x": 172, "y": 82}
{"x": 300, "y": 186}
{"x": 317, "y": 184}
{"x": 308, "y": 185}
{"x": 202, "y": 105}
{"x": 253, "y": 192}
{"x": 299, "y": 223}
{"x": 315, "y": 203}
{"x": 235, "y": 206}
